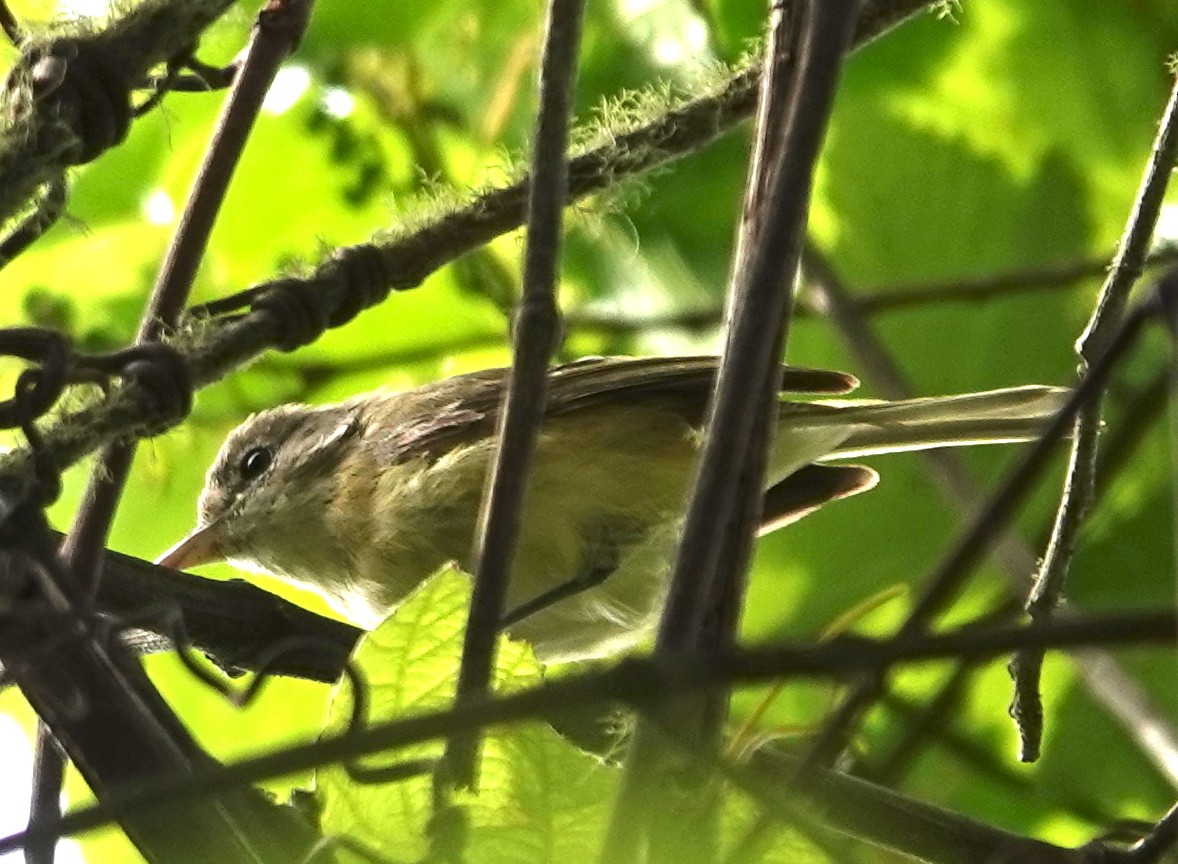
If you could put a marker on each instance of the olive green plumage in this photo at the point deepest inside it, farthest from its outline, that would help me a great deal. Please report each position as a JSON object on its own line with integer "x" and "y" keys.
{"x": 364, "y": 499}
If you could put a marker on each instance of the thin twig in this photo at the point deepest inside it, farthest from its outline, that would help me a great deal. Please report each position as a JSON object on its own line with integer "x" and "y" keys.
{"x": 1026, "y": 706}
{"x": 808, "y": 43}
{"x": 217, "y": 348}
{"x": 640, "y": 682}
{"x": 1142, "y": 408}
{"x": 537, "y": 333}
{"x": 1164, "y": 836}
{"x": 1152, "y": 848}
{"x": 1109, "y": 683}
{"x": 1032, "y": 280}
{"x": 276, "y": 33}
{"x": 118, "y": 728}
{"x": 932, "y": 719}
{"x": 915, "y": 829}
{"x": 10, "y": 26}
{"x": 1143, "y": 721}
{"x": 45, "y": 797}
{"x": 274, "y": 36}
{"x": 983, "y": 530}
{"x": 1063, "y": 276}
{"x": 867, "y": 302}
{"x": 82, "y": 551}
{"x": 770, "y": 243}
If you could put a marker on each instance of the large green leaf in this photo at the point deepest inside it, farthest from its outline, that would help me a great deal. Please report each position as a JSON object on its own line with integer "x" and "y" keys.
{"x": 539, "y": 798}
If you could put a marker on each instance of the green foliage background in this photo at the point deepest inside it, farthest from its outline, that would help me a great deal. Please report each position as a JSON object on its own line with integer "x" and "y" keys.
{"x": 1002, "y": 134}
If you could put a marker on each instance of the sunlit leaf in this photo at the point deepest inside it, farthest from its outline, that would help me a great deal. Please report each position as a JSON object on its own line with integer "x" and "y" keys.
{"x": 539, "y": 798}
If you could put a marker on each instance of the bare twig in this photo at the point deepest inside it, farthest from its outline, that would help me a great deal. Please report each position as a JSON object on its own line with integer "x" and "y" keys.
{"x": 1110, "y": 684}
{"x": 888, "y": 819}
{"x": 11, "y": 26}
{"x": 219, "y": 347}
{"x": 274, "y": 36}
{"x": 45, "y": 797}
{"x": 803, "y": 61}
{"x": 866, "y": 302}
{"x": 144, "y": 715}
{"x": 1164, "y": 836}
{"x": 1049, "y": 278}
{"x": 116, "y": 726}
{"x": 635, "y": 681}
{"x": 1153, "y": 848}
{"x": 537, "y": 333}
{"x": 983, "y": 530}
{"x": 874, "y": 301}
{"x": 1026, "y": 706}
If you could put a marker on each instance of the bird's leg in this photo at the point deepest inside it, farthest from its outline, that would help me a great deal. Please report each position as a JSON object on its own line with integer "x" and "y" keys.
{"x": 600, "y": 567}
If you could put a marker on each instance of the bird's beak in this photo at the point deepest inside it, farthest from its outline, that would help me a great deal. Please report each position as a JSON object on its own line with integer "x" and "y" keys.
{"x": 199, "y": 547}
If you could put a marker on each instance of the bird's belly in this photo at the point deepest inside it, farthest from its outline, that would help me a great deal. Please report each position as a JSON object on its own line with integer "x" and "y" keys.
{"x": 602, "y": 512}
{"x": 604, "y": 618}
{"x": 601, "y": 502}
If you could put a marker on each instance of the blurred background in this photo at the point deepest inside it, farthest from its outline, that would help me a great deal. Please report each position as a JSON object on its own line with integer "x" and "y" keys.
{"x": 996, "y": 136}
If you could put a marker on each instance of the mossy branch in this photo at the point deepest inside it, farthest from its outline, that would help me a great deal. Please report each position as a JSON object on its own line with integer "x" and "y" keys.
{"x": 407, "y": 256}
{"x": 46, "y": 123}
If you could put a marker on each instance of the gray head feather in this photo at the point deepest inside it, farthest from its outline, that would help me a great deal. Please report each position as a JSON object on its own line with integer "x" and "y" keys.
{"x": 276, "y": 461}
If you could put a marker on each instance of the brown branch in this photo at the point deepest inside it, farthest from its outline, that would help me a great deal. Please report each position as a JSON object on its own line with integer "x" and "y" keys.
{"x": 130, "y": 706}
{"x": 45, "y": 795}
{"x": 983, "y": 530}
{"x": 1110, "y": 684}
{"x": 1062, "y": 276}
{"x": 640, "y": 682}
{"x": 215, "y": 348}
{"x": 872, "y": 301}
{"x": 1153, "y": 848}
{"x": 807, "y": 46}
{"x": 1026, "y": 706}
{"x": 100, "y": 705}
{"x": 889, "y": 820}
{"x": 537, "y": 334}
{"x": 1048, "y": 278}
{"x": 39, "y": 141}
{"x": 1107, "y": 681}
{"x": 234, "y": 622}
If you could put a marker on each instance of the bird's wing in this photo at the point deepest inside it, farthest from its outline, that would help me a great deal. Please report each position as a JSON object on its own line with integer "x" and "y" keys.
{"x": 684, "y": 382}
{"x": 432, "y": 419}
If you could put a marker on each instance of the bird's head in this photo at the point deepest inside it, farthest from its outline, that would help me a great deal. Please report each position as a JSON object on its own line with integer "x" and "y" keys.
{"x": 269, "y": 486}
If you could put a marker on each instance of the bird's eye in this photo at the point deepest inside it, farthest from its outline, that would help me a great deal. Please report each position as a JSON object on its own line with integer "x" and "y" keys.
{"x": 255, "y": 461}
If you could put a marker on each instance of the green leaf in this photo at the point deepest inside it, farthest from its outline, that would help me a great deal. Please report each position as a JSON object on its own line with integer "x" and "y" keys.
{"x": 539, "y": 800}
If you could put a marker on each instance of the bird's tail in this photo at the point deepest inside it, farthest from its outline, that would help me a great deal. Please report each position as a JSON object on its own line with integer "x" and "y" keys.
{"x": 811, "y": 432}
{"x": 991, "y": 417}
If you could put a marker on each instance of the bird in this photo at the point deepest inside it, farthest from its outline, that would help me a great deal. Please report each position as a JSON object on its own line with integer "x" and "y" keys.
{"x": 364, "y": 499}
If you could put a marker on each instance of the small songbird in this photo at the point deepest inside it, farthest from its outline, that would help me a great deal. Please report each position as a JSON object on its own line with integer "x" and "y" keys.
{"x": 364, "y": 499}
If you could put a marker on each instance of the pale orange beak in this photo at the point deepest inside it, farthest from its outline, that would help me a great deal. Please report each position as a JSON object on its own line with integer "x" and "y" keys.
{"x": 199, "y": 547}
